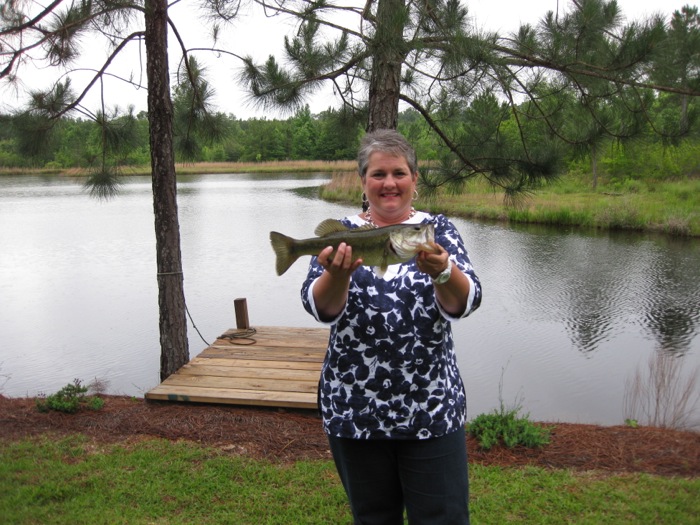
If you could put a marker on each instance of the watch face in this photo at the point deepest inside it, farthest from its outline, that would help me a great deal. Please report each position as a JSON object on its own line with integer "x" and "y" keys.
{"x": 442, "y": 278}
{"x": 444, "y": 275}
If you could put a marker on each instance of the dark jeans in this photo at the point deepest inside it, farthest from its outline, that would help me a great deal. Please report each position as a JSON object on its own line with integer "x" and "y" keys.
{"x": 428, "y": 477}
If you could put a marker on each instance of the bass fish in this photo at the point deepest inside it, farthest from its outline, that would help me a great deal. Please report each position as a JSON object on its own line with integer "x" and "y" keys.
{"x": 378, "y": 247}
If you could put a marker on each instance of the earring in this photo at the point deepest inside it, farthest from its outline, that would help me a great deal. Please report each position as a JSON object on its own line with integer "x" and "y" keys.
{"x": 365, "y": 202}
{"x": 415, "y": 195}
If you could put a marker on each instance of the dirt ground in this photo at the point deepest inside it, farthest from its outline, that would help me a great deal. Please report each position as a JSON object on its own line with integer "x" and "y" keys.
{"x": 288, "y": 435}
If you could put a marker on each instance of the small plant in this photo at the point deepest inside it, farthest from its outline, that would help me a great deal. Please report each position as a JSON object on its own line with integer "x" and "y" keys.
{"x": 663, "y": 397}
{"x": 505, "y": 426}
{"x": 69, "y": 399}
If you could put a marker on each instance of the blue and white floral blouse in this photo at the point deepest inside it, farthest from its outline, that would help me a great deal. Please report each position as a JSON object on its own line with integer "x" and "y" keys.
{"x": 390, "y": 370}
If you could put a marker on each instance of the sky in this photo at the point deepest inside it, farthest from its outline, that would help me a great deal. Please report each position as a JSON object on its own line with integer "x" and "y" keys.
{"x": 254, "y": 35}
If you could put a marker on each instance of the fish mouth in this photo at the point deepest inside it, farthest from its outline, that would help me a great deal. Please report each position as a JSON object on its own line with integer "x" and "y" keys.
{"x": 422, "y": 246}
{"x": 426, "y": 247}
{"x": 409, "y": 249}
{"x": 423, "y": 242}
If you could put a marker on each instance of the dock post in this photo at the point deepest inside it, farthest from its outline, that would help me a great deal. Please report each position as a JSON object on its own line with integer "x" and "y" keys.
{"x": 241, "y": 307}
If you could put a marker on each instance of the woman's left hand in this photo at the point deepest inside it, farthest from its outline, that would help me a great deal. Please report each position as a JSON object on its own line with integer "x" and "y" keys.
{"x": 433, "y": 263}
{"x": 453, "y": 293}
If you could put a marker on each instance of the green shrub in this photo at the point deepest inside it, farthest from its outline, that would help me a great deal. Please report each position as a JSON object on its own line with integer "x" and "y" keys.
{"x": 69, "y": 399}
{"x": 505, "y": 426}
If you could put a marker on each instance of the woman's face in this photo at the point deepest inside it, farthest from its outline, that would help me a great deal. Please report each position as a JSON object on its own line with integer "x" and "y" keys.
{"x": 389, "y": 186}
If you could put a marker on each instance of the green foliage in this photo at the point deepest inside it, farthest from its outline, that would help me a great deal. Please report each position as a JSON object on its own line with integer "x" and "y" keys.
{"x": 195, "y": 122}
{"x": 508, "y": 428}
{"x": 69, "y": 399}
{"x": 103, "y": 183}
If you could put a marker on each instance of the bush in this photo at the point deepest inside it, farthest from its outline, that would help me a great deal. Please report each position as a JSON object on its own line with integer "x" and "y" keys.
{"x": 504, "y": 426}
{"x": 69, "y": 399}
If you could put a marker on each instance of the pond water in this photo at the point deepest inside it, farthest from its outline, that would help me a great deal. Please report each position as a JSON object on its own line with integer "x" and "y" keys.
{"x": 568, "y": 316}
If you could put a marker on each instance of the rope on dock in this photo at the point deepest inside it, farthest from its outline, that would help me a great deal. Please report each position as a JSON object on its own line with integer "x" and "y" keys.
{"x": 240, "y": 337}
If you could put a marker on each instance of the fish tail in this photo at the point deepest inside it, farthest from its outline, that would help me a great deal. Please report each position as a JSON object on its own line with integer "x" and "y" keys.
{"x": 283, "y": 247}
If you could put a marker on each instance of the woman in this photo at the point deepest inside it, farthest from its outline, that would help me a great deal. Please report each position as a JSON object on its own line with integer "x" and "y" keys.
{"x": 390, "y": 393}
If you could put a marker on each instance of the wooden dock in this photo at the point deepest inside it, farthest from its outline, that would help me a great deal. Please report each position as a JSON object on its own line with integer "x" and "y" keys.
{"x": 274, "y": 366}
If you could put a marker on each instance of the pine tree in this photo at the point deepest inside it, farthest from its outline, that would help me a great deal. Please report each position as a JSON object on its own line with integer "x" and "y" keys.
{"x": 472, "y": 87}
{"x": 50, "y": 35}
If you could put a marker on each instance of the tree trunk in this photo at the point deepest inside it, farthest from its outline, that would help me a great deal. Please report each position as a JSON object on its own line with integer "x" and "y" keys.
{"x": 174, "y": 350}
{"x": 385, "y": 82}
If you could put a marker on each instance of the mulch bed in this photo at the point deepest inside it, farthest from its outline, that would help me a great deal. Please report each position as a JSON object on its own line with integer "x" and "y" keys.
{"x": 288, "y": 435}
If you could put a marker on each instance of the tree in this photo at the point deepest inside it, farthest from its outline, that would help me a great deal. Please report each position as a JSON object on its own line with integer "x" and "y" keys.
{"x": 50, "y": 35}
{"x": 338, "y": 135}
{"x": 171, "y": 296}
{"x": 427, "y": 56}
{"x": 195, "y": 124}
{"x": 302, "y": 135}
{"x": 678, "y": 63}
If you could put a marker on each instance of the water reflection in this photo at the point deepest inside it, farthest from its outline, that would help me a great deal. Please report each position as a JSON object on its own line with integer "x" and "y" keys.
{"x": 596, "y": 284}
{"x": 567, "y": 315}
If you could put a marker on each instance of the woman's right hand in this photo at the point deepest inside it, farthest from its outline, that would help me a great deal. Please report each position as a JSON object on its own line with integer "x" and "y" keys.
{"x": 331, "y": 289}
{"x": 339, "y": 264}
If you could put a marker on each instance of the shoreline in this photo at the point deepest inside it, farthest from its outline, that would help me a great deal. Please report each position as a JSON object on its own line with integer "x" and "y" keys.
{"x": 286, "y": 435}
{"x": 665, "y": 207}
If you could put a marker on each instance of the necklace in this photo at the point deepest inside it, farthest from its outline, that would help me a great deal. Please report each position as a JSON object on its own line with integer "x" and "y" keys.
{"x": 368, "y": 216}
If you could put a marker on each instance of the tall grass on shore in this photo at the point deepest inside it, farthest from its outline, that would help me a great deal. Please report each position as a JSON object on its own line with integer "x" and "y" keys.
{"x": 661, "y": 397}
{"x": 286, "y": 166}
{"x": 200, "y": 168}
{"x": 670, "y": 207}
{"x": 72, "y": 479}
{"x": 344, "y": 186}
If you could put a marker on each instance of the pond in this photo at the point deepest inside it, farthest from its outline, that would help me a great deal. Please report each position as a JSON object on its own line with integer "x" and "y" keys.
{"x": 568, "y": 319}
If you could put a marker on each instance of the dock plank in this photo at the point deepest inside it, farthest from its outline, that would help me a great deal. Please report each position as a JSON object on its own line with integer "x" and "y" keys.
{"x": 286, "y": 374}
{"x": 263, "y": 354}
{"x": 255, "y": 363}
{"x": 242, "y": 383}
{"x": 285, "y": 336}
{"x": 275, "y": 366}
{"x": 236, "y": 397}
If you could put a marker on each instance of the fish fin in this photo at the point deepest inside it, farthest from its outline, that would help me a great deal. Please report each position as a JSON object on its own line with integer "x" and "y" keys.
{"x": 381, "y": 269}
{"x": 283, "y": 247}
{"x": 330, "y": 226}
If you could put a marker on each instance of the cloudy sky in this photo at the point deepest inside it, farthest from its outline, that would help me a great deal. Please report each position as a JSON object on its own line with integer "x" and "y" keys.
{"x": 259, "y": 37}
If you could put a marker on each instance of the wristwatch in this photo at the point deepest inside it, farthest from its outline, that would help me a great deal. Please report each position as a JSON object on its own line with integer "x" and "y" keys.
{"x": 444, "y": 275}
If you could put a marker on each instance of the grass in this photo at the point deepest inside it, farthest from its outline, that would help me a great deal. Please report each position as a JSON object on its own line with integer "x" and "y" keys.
{"x": 74, "y": 480}
{"x": 670, "y": 207}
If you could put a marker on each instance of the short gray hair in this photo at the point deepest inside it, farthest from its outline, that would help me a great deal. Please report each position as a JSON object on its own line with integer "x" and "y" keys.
{"x": 385, "y": 141}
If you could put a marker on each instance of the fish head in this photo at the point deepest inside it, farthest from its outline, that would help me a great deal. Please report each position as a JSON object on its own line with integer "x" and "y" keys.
{"x": 409, "y": 239}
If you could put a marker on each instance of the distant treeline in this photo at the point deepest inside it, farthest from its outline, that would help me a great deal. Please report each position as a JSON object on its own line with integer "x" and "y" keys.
{"x": 79, "y": 143}
{"x": 329, "y": 135}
